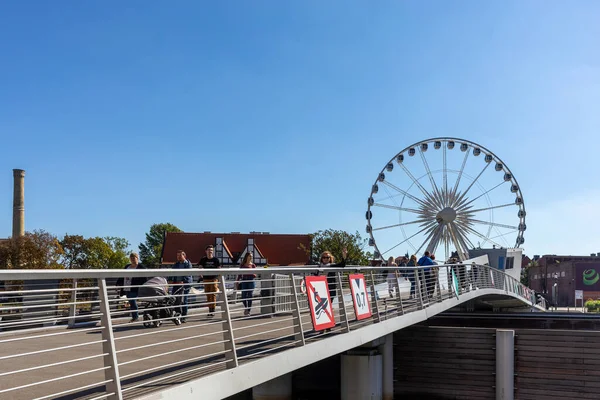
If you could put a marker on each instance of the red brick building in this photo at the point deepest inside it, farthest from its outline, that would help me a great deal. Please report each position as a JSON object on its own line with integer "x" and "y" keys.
{"x": 559, "y": 276}
{"x": 230, "y": 248}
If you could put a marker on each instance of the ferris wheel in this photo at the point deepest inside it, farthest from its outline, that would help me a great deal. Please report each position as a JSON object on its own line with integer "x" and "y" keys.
{"x": 445, "y": 196}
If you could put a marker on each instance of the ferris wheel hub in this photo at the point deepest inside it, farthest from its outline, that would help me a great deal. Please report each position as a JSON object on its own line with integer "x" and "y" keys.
{"x": 446, "y": 216}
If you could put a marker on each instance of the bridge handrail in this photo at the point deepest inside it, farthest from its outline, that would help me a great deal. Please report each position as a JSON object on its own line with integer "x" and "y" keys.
{"x": 88, "y": 301}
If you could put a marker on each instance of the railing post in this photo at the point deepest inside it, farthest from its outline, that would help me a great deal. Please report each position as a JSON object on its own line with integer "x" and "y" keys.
{"x": 418, "y": 282}
{"x": 374, "y": 293}
{"x": 228, "y": 335}
{"x": 342, "y": 304}
{"x": 73, "y": 305}
{"x": 397, "y": 283}
{"x": 437, "y": 281}
{"x": 108, "y": 346}
{"x": 298, "y": 331}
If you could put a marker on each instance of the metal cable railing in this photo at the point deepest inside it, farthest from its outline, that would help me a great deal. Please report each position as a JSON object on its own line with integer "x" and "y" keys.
{"x": 74, "y": 333}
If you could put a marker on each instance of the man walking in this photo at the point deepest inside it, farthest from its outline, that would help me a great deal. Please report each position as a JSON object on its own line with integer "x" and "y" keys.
{"x": 426, "y": 261}
{"x": 182, "y": 283}
{"x": 210, "y": 281}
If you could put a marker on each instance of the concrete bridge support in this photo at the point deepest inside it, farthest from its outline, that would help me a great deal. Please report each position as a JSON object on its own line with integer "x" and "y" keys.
{"x": 368, "y": 371}
{"x": 387, "y": 350}
{"x": 505, "y": 364}
{"x": 276, "y": 389}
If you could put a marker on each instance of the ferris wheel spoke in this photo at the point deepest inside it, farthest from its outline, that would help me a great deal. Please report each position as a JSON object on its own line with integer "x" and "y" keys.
{"x": 411, "y": 210}
{"x": 487, "y": 208}
{"x": 429, "y": 236}
{"x": 504, "y": 234}
{"x": 502, "y": 237}
{"x": 445, "y": 172}
{"x": 462, "y": 236}
{"x": 462, "y": 168}
{"x": 415, "y": 181}
{"x": 486, "y": 239}
{"x": 493, "y": 224}
{"x": 463, "y": 194}
{"x": 446, "y": 245}
{"x": 410, "y": 196}
{"x": 410, "y": 237}
{"x": 419, "y": 221}
{"x": 462, "y": 206}
{"x": 435, "y": 240}
{"x": 458, "y": 239}
{"x": 428, "y": 170}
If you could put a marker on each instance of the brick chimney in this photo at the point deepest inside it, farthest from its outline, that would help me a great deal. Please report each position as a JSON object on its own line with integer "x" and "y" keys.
{"x": 18, "y": 203}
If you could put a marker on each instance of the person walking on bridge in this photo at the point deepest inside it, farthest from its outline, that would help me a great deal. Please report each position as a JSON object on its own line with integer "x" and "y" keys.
{"x": 429, "y": 282}
{"x": 391, "y": 276}
{"x": 328, "y": 261}
{"x": 210, "y": 281}
{"x": 410, "y": 274}
{"x": 184, "y": 282}
{"x": 129, "y": 286}
{"x": 245, "y": 283}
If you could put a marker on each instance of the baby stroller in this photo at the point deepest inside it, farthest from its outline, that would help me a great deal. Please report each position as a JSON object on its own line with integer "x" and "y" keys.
{"x": 159, "y": 305}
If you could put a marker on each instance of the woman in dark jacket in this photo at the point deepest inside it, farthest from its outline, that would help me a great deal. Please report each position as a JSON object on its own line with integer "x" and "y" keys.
{"x": 410, "y": 274}
{"x": 328, "y": 261}
{"x": 130, "y": 285}
{"x": 245, "y": 283}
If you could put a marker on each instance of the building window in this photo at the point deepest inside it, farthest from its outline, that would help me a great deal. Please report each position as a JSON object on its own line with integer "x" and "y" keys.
{"x": 510, "y": 263}
{"x": 562, "y": 274}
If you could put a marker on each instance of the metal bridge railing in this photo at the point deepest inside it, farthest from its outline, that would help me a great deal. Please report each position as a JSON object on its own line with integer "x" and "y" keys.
{"x": 69, "y": 334}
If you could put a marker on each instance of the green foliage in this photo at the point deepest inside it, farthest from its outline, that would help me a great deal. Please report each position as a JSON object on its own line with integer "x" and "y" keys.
{"x": 334, "y": 241}
{"x": 525, "y": 276}
{"x": 34, "y": 250}
{"x": 151, "y": 249}
{"x": 94, "y": 252}
{"x": 592, "y": 305}
{"x": 120, "y": 252}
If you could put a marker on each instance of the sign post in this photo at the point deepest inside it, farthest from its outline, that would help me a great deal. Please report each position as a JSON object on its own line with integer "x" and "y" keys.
{"x": 579, "y": 296}
{"x": 360, "y": 296}
{"x": 321, "y": 310}
{"x": 454, "y": 283}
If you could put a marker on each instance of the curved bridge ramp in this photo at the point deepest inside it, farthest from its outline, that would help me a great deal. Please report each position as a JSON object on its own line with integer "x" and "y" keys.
{"x": 68, "y": 335}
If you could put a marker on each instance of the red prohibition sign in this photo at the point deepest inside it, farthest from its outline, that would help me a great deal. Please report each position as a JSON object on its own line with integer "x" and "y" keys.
{"x": 319, "y": 303}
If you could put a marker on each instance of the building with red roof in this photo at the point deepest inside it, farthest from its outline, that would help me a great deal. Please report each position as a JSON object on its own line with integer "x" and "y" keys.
{"x": 230, "y": 248}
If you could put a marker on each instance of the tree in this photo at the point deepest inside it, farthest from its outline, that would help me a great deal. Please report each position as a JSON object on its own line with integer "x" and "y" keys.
{"x": 151, "y": 250}
{"x": 120, "y": 256}
{"x": 525, "y": 272}
{"x": 334, "y": 241}
{"x": 34, "y": 250}
{"x": 525, "y": 275}
{"x": 94, "y": 252}
{"x": 75, "y": 248}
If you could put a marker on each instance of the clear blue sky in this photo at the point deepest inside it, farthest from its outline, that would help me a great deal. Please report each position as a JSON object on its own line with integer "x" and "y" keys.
{"x": 278, "y": 116}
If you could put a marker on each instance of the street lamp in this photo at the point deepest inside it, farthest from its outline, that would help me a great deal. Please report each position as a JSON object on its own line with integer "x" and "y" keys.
{"x": 555, "y": 276}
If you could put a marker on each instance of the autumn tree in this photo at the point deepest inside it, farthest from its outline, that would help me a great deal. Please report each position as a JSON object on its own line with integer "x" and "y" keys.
{"x": 151, "y": 249}
{"x": 334, "y": 241}
{"x": 34, "y": 250}
{"x": 120, "y": 251}
{"x": 94, "y": 252}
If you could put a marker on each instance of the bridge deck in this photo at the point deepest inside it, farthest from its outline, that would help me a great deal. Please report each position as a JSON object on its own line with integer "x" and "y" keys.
{"x": 60, "y": 363}
{"x": 173, "y": 359}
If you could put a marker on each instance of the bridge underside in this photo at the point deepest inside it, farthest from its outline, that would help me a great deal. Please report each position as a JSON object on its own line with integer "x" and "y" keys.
{"x": 494, "y": 302}
{"x": 226, "y": 383}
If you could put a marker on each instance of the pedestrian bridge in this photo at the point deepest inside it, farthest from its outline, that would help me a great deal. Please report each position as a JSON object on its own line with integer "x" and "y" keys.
{"x": 66, "y": 334}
